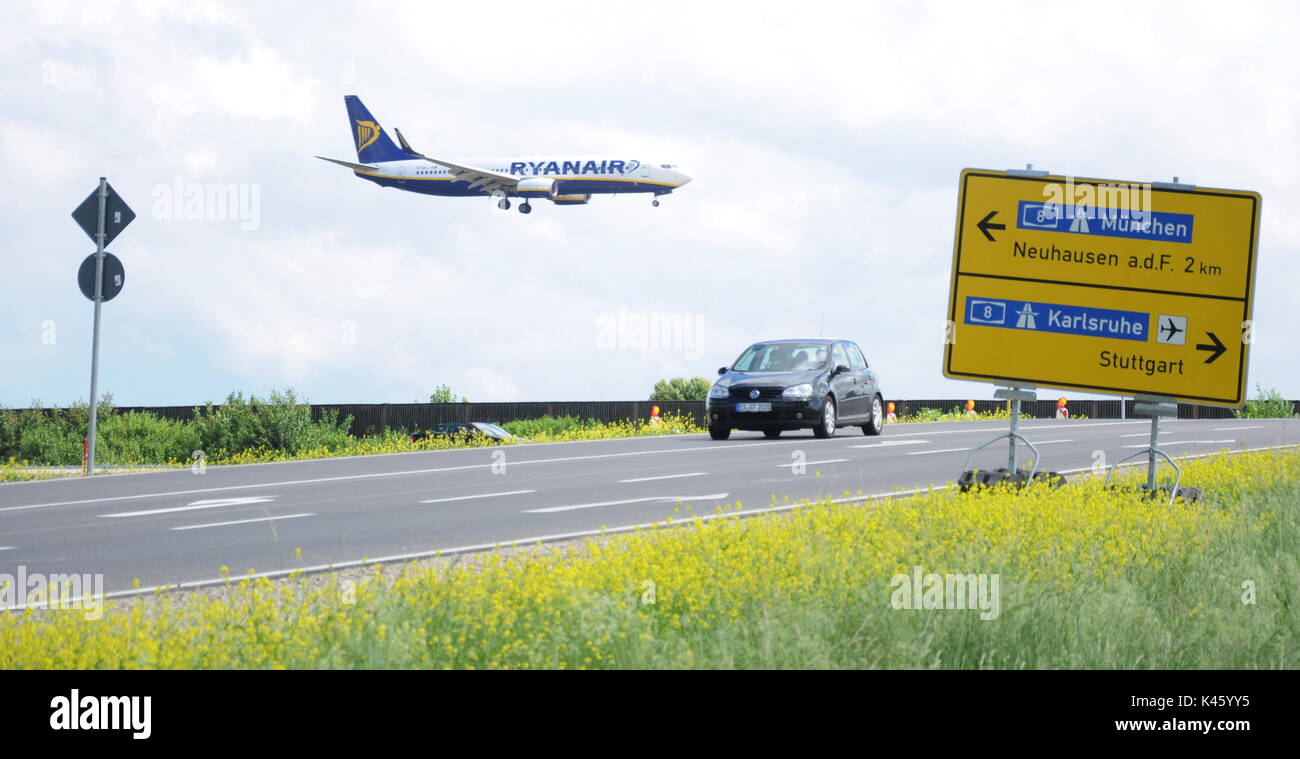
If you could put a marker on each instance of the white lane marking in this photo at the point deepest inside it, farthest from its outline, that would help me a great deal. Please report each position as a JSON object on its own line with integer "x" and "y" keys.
{"x": 945, "y": 450}
{"x": 665, "y": 477}
{"x": 811, "y": 463}
{"x": 7, "y": 548}
{"x": 1234, "y": 429}
{"x": 480, "y": 495}
{"x": 372, "y": 475}
{"x": 437, "y": 552}
{"x": 1049, "y": 442}
{"x": 211, "y": 503}
{"x": 242, "y": 521}
{"x": 1183, "y": 442}
{"x": 1026, "y": 424}
{"x": 652, "y": 499}
{"x": 1137, "y": 434}
{"x": 887, "y": 443}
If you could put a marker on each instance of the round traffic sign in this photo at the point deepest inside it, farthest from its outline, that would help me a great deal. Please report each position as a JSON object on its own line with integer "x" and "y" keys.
{"x": 114, "y": 277}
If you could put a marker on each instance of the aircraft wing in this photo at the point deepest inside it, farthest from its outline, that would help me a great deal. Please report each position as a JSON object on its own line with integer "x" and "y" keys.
{"x": 487, "y": 179}
{"x": 350, "y": 165}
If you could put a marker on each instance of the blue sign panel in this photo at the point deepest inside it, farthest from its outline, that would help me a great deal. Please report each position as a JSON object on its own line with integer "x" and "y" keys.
{"x": 1105, "y": 222}
{"x": 1052, "y": 317}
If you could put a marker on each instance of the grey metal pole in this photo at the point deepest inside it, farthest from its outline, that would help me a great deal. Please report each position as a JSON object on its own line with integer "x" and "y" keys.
{"x": 94, "y": 340}
{"x": 1151, "y": 457}
{"x": 1015, "y": 428}
{"x": 1121, "y": 408}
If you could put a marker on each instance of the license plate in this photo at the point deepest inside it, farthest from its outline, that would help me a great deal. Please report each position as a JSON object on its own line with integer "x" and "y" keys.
{"x": 753, "y": 407}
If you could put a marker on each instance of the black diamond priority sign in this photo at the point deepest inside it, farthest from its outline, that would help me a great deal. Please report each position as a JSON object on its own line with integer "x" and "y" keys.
{"x": 116, "y": 215}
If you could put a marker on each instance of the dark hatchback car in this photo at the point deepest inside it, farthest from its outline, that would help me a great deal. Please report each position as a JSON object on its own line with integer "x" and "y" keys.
{"x": 465, "y": 431}
{"x": 796, "y": 384}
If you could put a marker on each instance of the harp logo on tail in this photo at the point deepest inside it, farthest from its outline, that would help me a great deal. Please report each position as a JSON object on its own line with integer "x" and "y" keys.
{"x": 367, "y": 132}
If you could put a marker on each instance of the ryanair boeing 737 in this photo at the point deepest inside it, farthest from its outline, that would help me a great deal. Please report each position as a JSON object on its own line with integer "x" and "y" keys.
{"x": 568, "y": 180}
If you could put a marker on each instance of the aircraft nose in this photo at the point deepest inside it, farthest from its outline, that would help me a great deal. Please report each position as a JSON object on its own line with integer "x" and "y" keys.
{"x": 683, "y": 178}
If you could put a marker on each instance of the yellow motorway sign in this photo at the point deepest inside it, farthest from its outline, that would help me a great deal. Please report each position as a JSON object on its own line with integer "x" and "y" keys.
{"x": 1102, "y": 285}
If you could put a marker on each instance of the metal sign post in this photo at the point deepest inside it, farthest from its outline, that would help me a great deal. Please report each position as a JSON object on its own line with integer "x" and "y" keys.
{"x": 94, "y": 340}
{"x": 102, "y": 215}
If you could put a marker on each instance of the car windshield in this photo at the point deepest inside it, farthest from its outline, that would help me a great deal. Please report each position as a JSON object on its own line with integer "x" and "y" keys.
{"x": 782, "y": 357}
{"x": 492, "y": 429}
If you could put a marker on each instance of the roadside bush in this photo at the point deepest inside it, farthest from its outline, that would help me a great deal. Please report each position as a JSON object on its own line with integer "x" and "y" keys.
{"x": 231, "y": 427}
{"x": 1269, "y": 405}
{"x": 329, "y": 432}
{"x": 141, "y": 437}
{"x": 281, "y": 422}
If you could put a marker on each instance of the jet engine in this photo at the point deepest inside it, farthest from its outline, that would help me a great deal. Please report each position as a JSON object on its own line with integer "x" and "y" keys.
{"x": 535, "y": 187}
{"x": 570, "y": 200}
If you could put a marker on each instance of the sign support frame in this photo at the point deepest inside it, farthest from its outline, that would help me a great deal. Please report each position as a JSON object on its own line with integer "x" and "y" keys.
{"x": 1154, "y": 407}
{"x": 1015, "y": 394}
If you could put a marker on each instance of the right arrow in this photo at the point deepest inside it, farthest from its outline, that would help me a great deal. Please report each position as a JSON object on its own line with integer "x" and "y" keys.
{"x": 1217, "y": 349}
{"x": 986, "y": 224}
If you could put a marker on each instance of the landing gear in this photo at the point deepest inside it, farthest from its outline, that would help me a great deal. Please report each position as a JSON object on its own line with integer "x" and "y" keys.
{"x": 525, "y": 207}
{"x": 655, "y": 203}
{"x": 504, "y": 204}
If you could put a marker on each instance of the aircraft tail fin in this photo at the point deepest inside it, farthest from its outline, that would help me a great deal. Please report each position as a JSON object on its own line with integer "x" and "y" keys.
{"x": 373, "y": 144}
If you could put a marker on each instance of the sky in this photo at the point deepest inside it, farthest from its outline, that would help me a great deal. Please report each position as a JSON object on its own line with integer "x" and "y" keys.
{"x": 825, "y": 143}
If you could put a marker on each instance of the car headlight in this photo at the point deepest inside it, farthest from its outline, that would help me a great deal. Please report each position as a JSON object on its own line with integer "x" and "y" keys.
{"x": 718, "y": 391}
{"x": 798, "y": 392}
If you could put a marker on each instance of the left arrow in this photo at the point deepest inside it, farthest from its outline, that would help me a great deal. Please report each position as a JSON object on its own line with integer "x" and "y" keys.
{"x": 986, "y": 224}
{"x": 1218, "y": 348}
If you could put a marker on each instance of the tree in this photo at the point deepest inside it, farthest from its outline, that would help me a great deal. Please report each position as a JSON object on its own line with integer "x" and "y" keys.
{"x": 681, "y": 389}
{"x": 443, "y": 394}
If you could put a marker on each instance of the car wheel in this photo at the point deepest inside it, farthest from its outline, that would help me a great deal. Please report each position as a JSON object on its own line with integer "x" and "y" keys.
{"x": 771, "y": 433}
{"x": 877, "y": 423}
{"x": 719, "y": 433}
{"x": 826, "y": 424}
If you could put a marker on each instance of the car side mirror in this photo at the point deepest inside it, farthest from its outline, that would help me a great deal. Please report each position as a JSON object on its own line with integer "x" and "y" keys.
{"x": 722, "y": 370}
{"x": 841, "y": 369}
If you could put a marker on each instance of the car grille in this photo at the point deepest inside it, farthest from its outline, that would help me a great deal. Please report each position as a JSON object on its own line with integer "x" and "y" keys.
{"x": 764, "y": 393}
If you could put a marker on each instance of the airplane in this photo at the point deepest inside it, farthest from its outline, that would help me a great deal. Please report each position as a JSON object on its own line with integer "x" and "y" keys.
{"x": 1171, "y": 328}
{"x": 564, "y": 180}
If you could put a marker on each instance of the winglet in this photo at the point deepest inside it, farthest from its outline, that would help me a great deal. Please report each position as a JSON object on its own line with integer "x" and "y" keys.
{"x": 405, "y": 145}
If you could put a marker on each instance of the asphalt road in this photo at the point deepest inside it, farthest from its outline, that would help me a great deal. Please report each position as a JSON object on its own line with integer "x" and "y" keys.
{"x": 179, "y": 527}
